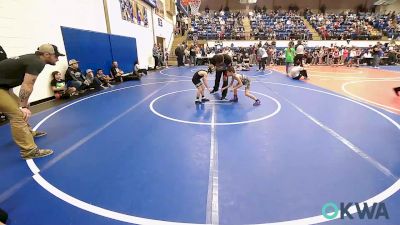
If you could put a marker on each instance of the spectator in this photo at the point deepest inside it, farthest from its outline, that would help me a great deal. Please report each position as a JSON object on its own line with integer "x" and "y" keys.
{"x": 59, "y": 87}
{"x": 336, "y": 57}
{"x": 262, "y": 57}
{"x": 253, "y": 55}
{"x": 138, "y": 72}
{"x": 192, "y": 55}
{"x": 116, "y": 72}
{"x": 203, "y": 52}
{"x": 347, "y": 25}
{"x": 186, "y": 21}
{"x": 177, "y": 30}
{"x": 289, "y": 56}
{"x": 73, "y": 76}
{"x": 270, "y": 55}
{"x": 358, "y": 57}
{"x": 246, "y": 62}
{"x": 91, "y": 81}
{"x": 166, "y": 58}
{"x": 314, "y": 60}
{"x": 321, "y": 55}
{"x": 179, "y": 52}
{"x": 392, "y": 56}
{"x": 183, "y": 29}
{"x": 160, "y": 56}
{"x": 376, "y": 54}
{"x": 187, "y": 55}
{"x": 364, "y": 56}
{"x": 298, "y": 59}
{"x": 178, "y": 20}
{"x": 156, "y": 56}
{"x": 278, "y": 25}
{"x": 297, "y": 72}
{"x": 345, "y": 56}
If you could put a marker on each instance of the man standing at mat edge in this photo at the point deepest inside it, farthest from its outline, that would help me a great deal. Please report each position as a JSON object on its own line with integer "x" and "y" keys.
{"x": 23, "y": 70}
{"x": 221, "y": 62}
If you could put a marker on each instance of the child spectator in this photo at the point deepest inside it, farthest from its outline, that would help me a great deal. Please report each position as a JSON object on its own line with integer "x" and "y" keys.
{"x": 166, "y": 58}
{"x": 138, "y": 72}
{"x": 59, "y": 87}
{"x": 105, "y": 79}
{"x": 92, "y": 81}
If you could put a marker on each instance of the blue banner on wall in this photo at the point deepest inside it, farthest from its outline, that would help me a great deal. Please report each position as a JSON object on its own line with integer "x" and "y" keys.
{"x": 134, "y": 12}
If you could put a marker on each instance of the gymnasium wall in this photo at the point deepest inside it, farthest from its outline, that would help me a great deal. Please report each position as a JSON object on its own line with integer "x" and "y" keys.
{"x": 390, "y": 8}
{"x": 145, "y": 37}
{"x": 165, "y": 31}
{"x": 25, "y": 24}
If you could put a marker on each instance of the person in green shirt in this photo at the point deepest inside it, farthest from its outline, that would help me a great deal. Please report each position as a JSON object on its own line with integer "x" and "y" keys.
{"x": 289, "y": 56}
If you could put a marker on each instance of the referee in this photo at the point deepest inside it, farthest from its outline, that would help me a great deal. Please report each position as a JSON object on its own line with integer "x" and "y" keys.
{"x": 221, "y": 62}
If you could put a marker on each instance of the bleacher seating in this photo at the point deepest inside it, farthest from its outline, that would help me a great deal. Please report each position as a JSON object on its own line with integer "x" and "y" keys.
{"x": 217, "y": 26}
{"x": 387, "y": 23}
{"x": 343, "y": 26}
{"x": 279, "y": 25}
{"x": 285, "y": 25}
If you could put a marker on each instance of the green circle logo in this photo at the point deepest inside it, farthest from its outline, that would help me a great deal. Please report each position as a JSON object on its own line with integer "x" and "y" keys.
{"x": 335, "y": 210}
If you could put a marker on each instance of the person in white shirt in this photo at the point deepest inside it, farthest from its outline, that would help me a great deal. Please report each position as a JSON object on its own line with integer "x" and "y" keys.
{"x": 298, "y": 59}
{"x": 367, "y": 55}
{"x": 138, "y": 70}
{"x": 262, "y": 56}
{"x": 352, "y": 57}
{"x": 296, "y": 72}
{"x": 166, "y": 57}
{"x": 186, "y": 21}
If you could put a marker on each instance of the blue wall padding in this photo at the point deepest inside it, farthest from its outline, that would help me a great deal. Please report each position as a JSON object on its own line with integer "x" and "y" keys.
{"x": 97, "y": 50}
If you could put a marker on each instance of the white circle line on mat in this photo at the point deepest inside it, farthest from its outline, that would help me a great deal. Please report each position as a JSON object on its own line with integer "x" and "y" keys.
{"x": 344, "y": 89}
{"x": 145, "y": 221}
{"x": 151, "y": 106}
